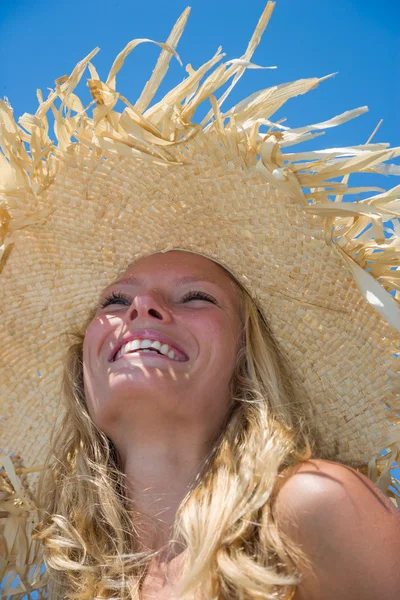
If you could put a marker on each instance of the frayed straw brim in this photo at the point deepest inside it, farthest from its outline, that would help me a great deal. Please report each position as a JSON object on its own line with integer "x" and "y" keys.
{"x": 118, "y": 186}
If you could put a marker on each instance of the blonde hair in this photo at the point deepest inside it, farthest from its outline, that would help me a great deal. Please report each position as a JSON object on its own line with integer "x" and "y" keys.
{"x": 234, "y": 545}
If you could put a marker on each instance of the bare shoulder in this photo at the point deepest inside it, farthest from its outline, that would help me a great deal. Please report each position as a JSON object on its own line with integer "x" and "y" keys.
{"x": 317, "y": 483}
{"x": 347, "y": 527}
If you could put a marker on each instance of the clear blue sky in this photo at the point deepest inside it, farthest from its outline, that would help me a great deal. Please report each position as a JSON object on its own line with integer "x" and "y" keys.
{"x": 42, "y": 40}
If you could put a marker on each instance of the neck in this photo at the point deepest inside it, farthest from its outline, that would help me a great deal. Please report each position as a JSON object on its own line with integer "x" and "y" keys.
{"x": 159, "y": 475}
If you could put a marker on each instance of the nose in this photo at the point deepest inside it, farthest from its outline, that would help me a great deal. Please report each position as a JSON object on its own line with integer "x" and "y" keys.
{"x": 144, "y": 305}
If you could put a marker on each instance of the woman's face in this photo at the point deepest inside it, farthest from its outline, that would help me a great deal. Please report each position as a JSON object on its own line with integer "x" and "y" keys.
{"x": 145, "y": 393}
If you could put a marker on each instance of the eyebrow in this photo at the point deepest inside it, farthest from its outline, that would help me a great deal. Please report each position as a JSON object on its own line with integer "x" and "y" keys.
{"x": 178, "y": 281}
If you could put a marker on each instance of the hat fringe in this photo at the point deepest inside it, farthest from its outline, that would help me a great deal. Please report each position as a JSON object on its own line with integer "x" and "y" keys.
{"x": 365, "y": 232}
{"x": 21, "y": 570}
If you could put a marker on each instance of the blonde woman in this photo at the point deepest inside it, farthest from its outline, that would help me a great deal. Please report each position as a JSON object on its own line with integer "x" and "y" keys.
{"x": 213, "y": 345}
{"x": 181, "y": 457}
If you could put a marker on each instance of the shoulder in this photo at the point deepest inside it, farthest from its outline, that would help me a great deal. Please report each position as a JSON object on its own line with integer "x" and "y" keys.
{"x": 340, "y": 519}
{"x": 316, "y": 484}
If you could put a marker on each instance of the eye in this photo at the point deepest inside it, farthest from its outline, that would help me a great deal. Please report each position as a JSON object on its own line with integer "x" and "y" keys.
{"x": 193, "y": 295}
{"x": 114, "y": 298}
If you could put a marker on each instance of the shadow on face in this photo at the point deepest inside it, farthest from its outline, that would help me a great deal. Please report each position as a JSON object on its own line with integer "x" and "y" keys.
{"x": 191, "y": 303}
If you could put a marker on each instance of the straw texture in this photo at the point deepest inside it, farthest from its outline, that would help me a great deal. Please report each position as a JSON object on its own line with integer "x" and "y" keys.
{"x": 108, "y": 187}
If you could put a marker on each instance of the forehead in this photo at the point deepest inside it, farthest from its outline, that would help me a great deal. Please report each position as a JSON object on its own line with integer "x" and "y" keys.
{"x": 177, "y": 267}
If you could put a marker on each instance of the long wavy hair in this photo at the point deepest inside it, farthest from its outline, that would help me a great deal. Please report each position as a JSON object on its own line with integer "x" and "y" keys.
{"x": 234, "y": 546}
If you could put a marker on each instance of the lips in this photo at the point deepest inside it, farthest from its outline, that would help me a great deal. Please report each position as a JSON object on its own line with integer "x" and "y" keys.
{"x": 150, "y": 334}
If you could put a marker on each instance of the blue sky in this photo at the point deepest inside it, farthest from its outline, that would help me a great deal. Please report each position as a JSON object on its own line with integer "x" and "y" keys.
{"x": 43, "y": 40}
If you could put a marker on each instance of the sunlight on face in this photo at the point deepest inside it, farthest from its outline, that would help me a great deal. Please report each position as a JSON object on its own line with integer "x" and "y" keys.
{"x": 194, "y": 303}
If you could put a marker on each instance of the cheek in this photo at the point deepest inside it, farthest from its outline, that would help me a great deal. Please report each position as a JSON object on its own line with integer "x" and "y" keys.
{"x": 95, "y": 328}
{"x": 90, "y": 335}
{"x": 220, "y": 337}
{"x": 91, "y": 346}
{"x": 86, "y": 354}
{"x": 96, "y": 333}
{"x": 93, "y": 387}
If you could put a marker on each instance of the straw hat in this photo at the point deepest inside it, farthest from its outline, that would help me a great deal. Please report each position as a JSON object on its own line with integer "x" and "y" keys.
{"x": 116, "y": 186}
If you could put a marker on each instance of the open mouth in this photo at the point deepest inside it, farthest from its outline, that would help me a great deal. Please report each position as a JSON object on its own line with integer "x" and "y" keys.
{"x": 142, "y": 346}
{"x": 147, "y": 353}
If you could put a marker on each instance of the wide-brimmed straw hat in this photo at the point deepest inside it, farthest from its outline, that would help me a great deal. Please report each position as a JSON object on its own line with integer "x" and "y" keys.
{"x": 115, "y": 186}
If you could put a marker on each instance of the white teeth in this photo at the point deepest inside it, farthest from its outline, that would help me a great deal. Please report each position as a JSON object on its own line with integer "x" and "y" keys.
{"x": 134, "y": 345}
{"x": 144, "y": 346}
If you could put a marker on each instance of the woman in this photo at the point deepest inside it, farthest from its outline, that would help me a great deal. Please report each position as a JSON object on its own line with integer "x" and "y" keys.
{"x": 206, "y": 473}
{"x": 163, "y": 416}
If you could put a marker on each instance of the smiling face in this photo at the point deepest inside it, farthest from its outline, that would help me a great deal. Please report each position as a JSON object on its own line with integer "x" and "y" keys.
{"x": 151, "y": 395}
